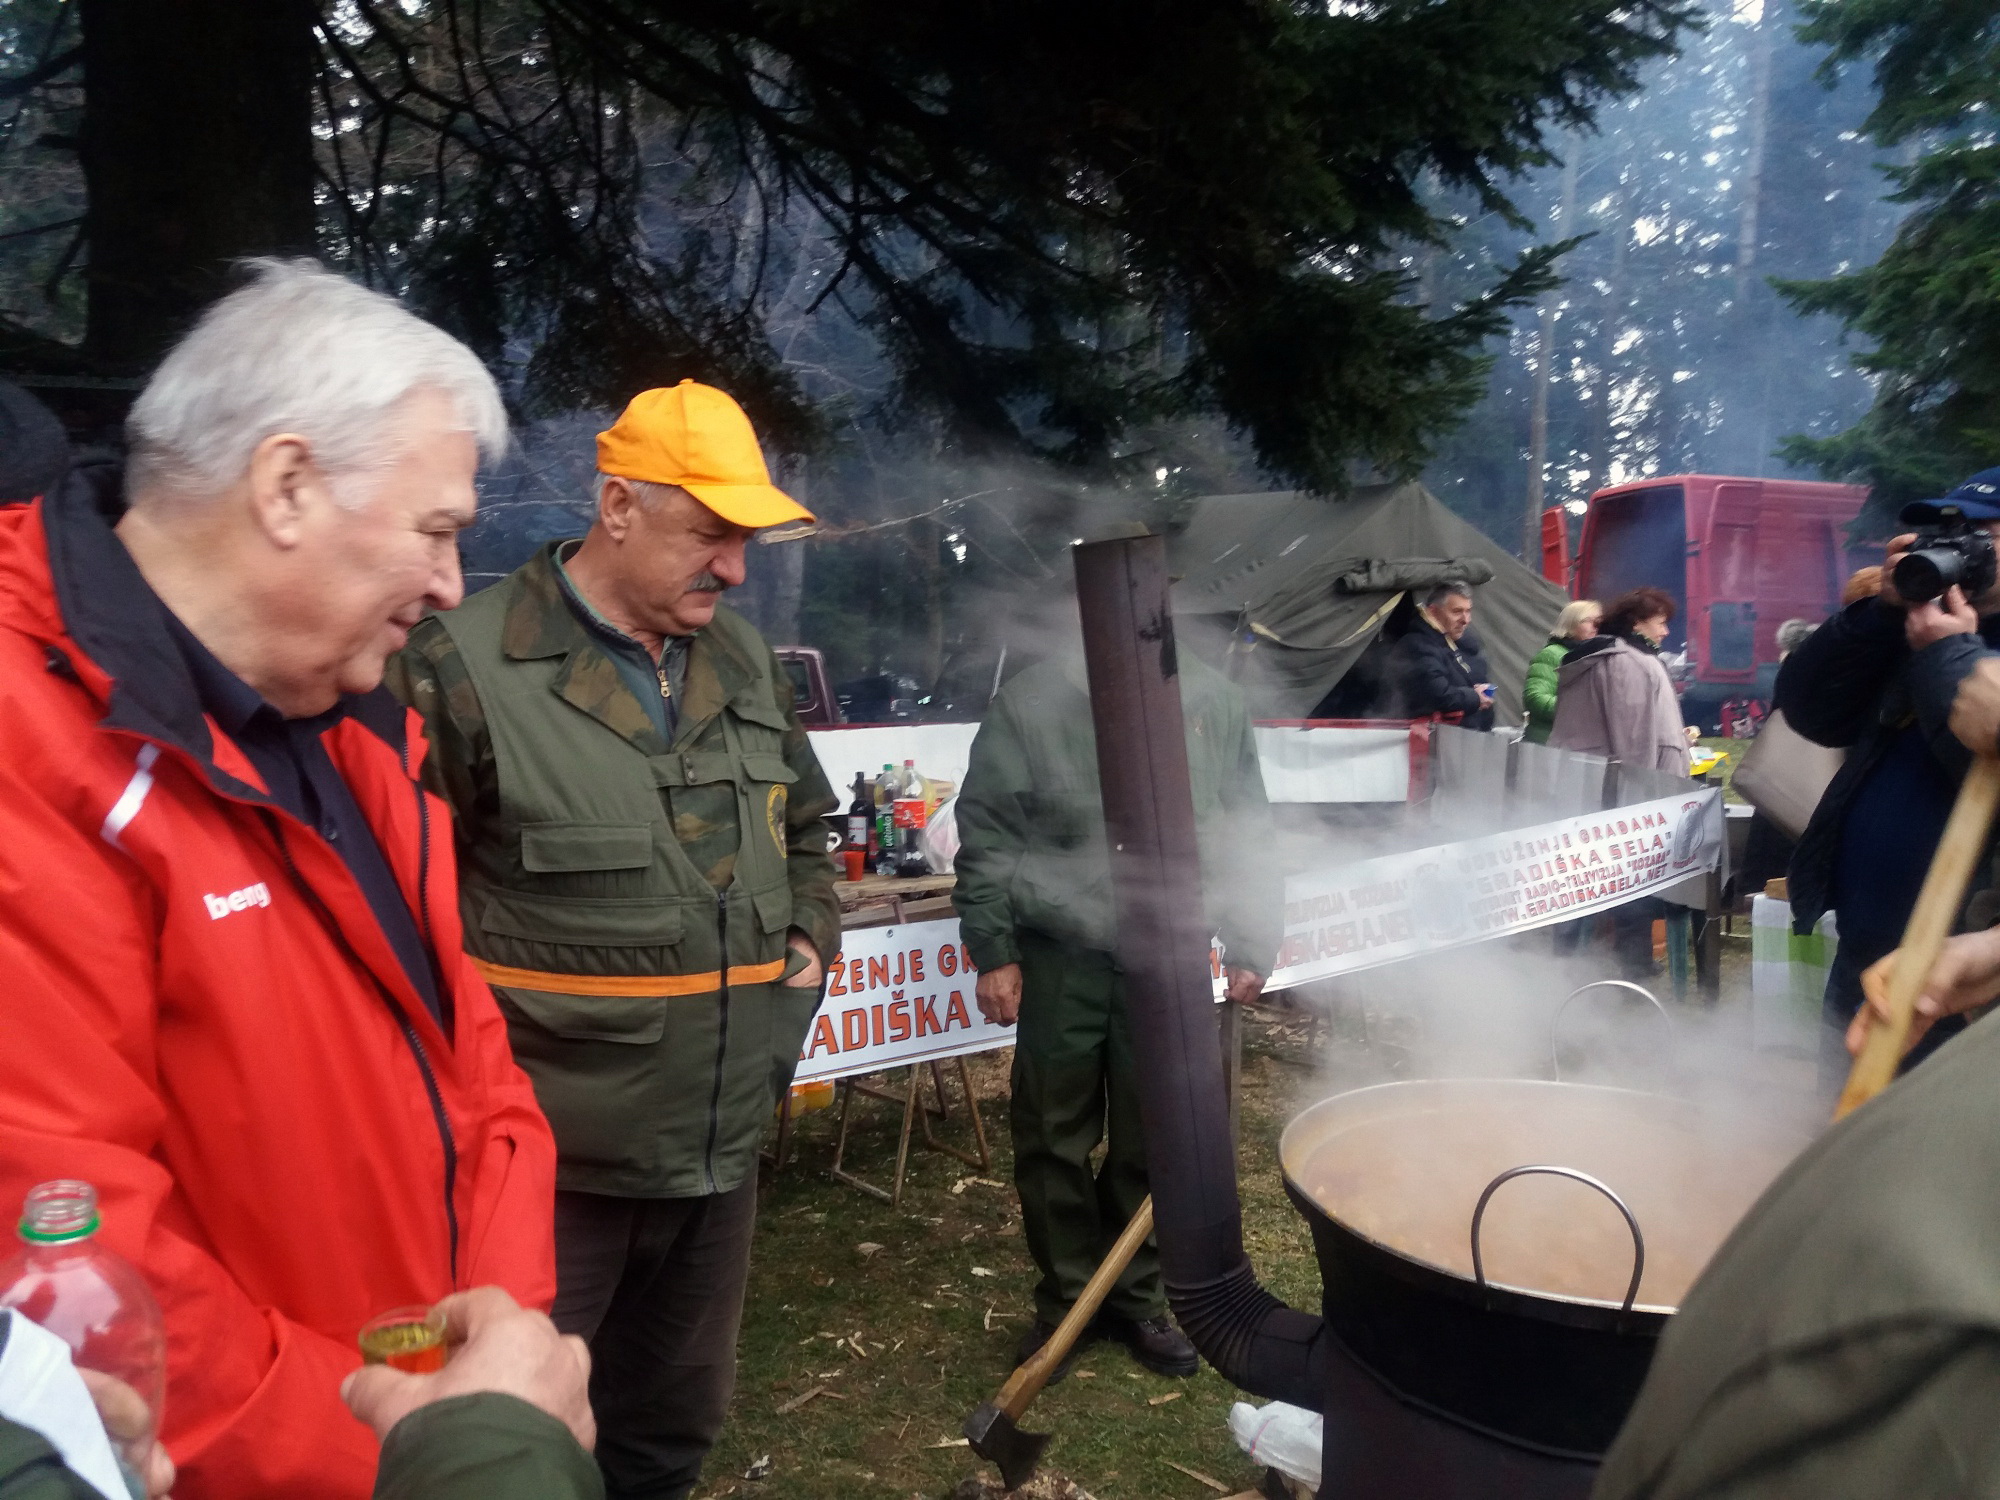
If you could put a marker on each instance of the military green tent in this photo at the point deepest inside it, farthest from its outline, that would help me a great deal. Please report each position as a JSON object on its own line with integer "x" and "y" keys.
{"x": 1286, "y": 591}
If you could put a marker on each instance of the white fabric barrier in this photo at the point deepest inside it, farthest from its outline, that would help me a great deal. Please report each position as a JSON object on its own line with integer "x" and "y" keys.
{"x": 940, "y": 751}
{"x": 1315, "y": 763}
{"x": 1318, "y": 763}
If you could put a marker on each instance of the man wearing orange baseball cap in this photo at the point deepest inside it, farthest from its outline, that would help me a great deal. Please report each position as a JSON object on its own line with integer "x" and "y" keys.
{"x": 642, "y": 837}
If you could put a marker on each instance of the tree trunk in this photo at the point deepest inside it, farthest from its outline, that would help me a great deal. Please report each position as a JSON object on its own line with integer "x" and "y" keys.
{"x": 1753, "y": 165}
{"x": 1538, "y": 401}
{"x": 1607, "y": 360}
{"x": 1754, "y": 305}
{"x": 197, "y": 148}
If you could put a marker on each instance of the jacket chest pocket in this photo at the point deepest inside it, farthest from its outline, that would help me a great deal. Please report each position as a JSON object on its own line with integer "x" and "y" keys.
{"x": 594, "y": 860}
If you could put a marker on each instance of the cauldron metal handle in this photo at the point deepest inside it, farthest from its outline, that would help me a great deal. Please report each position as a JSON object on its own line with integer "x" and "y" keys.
{"x": 1603, "y": 984}
{"x": 1638, "y": 1239}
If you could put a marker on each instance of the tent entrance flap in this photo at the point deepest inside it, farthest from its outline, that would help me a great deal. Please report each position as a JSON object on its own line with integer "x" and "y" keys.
{"x": 1286, "y": 591}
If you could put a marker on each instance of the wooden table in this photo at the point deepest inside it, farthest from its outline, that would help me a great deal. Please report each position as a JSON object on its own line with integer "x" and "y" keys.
{"x": 878, "y": 900}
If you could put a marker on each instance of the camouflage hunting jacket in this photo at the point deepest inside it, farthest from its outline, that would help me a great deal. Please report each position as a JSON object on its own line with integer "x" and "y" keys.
{"x": 629, "y": 899}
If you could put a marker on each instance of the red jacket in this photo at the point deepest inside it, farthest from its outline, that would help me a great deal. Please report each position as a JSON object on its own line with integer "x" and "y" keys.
{"x": 200, "y": 1015}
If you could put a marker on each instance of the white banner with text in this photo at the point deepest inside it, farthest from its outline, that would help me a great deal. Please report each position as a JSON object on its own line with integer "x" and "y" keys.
{"x": 896, "y": 996}
{"x": 1429, "y": 900}
{"x": 904, "y": 994}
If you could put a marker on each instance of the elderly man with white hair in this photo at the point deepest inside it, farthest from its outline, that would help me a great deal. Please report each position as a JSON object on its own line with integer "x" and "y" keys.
{"x": 235, "y": 999}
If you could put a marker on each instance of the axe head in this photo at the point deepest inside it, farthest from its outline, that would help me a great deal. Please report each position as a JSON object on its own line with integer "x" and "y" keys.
{"x": 995, "y": 1438}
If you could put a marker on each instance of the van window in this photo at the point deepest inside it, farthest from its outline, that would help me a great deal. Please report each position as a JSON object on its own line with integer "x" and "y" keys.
{"x": 1640, "y": 539}
{"x": 1732, "y": 636}
{"x": 802, "y": 682}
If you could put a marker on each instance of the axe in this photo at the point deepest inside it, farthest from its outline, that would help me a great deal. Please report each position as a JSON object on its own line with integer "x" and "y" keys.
{"x": 991, "y": 1428}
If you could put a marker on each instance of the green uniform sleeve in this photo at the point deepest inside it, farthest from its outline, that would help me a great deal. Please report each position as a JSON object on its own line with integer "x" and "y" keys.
{"x": 484, "y": 1447}
{"x": 1252, "y": 917}
{"x": 815, "y": 909}
{"x": 428, "y": 676}
{"x": 991, "y": 838}
{"x": 31, "y": 1469}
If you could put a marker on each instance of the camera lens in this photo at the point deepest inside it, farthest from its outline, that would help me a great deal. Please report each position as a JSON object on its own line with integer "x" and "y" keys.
{"x": 1925, "y": 574}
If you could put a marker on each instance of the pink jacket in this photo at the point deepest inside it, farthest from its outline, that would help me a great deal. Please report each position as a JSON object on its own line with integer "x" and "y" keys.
{"x": 1618, "y": 701}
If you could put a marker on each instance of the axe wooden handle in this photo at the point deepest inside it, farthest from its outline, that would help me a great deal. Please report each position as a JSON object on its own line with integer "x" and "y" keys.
{"x": 1930, "y": 924}
{"x": 1027, "y": 1381}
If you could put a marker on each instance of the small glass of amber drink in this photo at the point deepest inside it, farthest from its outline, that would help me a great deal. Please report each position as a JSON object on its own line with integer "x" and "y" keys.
{"x": 405, "y": 1338}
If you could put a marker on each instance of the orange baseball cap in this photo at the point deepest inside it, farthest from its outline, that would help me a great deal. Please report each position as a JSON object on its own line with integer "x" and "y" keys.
{"x": 697, "y": 437}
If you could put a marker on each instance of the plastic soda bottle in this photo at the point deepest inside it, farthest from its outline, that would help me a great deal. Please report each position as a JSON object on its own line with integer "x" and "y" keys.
{"x": 91, "y": 1298}
{"x": 911, "y": 807}
{"x": 885, "y": 821}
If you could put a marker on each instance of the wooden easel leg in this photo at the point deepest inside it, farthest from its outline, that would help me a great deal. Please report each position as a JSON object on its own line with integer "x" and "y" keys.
{"x": 849, "y": 1087}
{"x": 972, "y": 1108}
{"x": 984, "y": 1157}
{"x": 912, "y": 1100}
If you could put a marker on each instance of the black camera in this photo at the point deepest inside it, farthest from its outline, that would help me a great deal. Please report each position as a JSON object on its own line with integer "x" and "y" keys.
{"x": 1952, "y": 552}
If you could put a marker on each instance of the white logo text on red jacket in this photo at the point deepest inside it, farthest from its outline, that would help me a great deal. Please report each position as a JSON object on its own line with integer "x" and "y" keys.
{"x": 251, "y": 895}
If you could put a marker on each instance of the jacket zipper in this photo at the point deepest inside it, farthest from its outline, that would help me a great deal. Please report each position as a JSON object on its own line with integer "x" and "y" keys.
{"x": 721, "y": 1038}
{"x": 415, "y": 1042}
{"x": 445, "y": 1016}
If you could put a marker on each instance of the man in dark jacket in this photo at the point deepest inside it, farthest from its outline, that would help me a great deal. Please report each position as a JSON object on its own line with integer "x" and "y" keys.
{"x": 1437, "y": 667}
{"x": 1878, "y": 679}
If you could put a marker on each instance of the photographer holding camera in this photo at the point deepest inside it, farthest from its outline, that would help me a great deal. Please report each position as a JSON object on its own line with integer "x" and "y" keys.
{"x": 1879, "y": 679}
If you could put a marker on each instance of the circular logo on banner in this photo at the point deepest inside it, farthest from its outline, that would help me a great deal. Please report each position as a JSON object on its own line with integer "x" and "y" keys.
{"x": 774, "y": 815}
{"x": 1693, "y": 835}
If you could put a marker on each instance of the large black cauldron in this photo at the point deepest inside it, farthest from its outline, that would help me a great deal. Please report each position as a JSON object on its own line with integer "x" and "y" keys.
{"x": 1539, "y": 1332}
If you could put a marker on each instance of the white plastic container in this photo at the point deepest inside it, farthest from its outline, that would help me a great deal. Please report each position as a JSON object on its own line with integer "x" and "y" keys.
{"x": 1281, "y": 1437}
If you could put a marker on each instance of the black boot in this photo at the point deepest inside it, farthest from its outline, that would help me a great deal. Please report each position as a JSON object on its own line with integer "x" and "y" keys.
{"x": 1156, "y": 1344}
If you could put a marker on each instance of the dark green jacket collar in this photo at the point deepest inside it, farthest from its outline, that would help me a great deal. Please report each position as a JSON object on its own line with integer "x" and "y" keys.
{"x": 541, "y": 624}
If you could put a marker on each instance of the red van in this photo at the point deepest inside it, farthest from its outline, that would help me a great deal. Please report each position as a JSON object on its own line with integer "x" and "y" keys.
{"x": 1739, "y": 556}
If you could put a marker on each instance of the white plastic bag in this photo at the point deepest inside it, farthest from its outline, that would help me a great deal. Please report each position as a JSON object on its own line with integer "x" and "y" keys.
{"x": 939, "y": 840}
{"x": 1281, "y": 1437}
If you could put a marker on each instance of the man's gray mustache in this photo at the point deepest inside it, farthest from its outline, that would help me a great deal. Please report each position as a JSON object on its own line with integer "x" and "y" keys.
{"x": 706, "y": 583}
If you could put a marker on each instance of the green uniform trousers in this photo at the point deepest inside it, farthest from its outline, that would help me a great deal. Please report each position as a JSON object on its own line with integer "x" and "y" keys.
{"x": 1074, "y": 1089}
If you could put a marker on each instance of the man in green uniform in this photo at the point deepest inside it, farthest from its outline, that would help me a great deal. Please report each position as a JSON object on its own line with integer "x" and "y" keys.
{"x": 1034, "y": 903}
{"x": 642, "y": 842}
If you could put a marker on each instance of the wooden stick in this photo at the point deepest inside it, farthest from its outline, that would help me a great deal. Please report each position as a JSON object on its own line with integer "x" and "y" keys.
{"x": 1931, "y": 921}
{"x": 1026, "y": 1382}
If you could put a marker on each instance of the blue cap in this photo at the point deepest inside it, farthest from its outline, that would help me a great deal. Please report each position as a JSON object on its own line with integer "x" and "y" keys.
{"x": 1974, "y": 499}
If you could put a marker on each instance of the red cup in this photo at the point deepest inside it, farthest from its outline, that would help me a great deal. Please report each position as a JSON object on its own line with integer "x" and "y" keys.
{"x": 857, "y": 863}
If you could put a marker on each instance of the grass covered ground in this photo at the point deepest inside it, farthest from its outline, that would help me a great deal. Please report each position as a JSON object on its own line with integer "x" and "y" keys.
{"x": 907, "y": 1320}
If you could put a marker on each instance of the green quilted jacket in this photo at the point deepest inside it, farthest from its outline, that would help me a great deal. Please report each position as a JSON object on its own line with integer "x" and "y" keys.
{"x": 1540, "y": 692}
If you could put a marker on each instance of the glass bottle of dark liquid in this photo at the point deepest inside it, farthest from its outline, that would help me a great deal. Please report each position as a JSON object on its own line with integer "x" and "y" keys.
{"x": 861, "y": 818}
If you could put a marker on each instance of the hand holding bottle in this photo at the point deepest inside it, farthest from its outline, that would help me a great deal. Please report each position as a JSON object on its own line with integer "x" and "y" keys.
{"x": 128, "y": 1422}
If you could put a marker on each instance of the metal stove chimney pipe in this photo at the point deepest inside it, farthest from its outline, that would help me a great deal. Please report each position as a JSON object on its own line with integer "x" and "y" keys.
{"x": 1249, "y": 1336}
